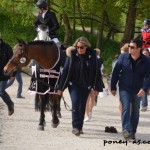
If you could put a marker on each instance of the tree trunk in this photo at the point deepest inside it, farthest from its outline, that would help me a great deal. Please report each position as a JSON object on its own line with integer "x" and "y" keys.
{"x": 100, "y": 33}
{"x": 80, "y": 15}
{"x": 68, "y": 31}
{"x": 109, "y": 34}
{"x": 101, "y": 28}
{"x": 130, "y": 22}
{"x": 110, "y": 27}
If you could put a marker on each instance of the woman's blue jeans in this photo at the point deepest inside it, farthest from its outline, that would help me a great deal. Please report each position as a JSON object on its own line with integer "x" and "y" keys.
{"x": 79, "y": 97}
{"x": 130, "y": 119}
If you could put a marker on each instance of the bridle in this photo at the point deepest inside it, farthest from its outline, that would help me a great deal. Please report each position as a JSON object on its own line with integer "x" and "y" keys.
{"x": 23, "y": 59}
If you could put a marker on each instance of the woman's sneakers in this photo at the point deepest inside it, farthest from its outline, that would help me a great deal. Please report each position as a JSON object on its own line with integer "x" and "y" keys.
{"x": 90, "y": 115}
{"x": 88, "y": 118}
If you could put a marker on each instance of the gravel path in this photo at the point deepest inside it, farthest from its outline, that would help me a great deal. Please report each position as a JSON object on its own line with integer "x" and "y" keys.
{"x": 19, "y": 131}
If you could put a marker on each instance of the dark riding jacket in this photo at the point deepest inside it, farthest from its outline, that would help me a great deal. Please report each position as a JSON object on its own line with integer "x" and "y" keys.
{"x": 131, "y": 79}
{"x": 71, "y": 71}
{"x": 49, "y": 20}
{"x": 5, "y": 54}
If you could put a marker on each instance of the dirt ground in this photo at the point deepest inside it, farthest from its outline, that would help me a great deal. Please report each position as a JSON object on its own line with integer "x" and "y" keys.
{"x": 19, "y": 131}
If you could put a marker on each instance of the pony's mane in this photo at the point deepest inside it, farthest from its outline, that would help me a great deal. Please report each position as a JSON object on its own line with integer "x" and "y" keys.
{"x": 41, "y": 42}
{"x": 43, "y": 27}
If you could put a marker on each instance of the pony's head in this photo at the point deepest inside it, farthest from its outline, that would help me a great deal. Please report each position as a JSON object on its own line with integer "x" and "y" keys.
{"x": 19, "y": 58}
{"x": 43, "y": 33}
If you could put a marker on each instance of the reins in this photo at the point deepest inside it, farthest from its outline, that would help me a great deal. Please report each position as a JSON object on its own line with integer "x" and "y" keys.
{"x": 66, "y": 105}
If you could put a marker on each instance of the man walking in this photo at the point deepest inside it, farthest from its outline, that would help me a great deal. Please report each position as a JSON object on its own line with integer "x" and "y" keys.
{"x": 133, "y": 73}
{"x": 5, "y": 54}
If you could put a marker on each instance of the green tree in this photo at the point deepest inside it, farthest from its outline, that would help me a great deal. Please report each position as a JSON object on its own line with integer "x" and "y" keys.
{"x": 130, "y": 21}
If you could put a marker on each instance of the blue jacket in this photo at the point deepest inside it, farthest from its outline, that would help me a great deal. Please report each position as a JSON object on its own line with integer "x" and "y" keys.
{"x": 71, "y": 71}
{"x": 131, "y": 80}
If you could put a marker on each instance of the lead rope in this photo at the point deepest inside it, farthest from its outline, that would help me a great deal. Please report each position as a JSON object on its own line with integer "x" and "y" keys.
{"x": 66, "y": 105}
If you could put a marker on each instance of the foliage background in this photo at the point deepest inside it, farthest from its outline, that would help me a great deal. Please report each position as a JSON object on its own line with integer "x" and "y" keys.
{"x": 17, "y": 17}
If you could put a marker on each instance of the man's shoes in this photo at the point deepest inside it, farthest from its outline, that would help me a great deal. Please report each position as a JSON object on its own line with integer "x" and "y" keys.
{"x": 76, "y": 131}
{"x": 125, "y": 134}
{"x": 143, "y": 108}
{"x": 20, "y": 96}
{"x": 11, "y": 110}
{"x": 132, "y": 136}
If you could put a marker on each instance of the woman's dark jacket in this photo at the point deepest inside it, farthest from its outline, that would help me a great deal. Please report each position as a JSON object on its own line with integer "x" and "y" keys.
{"x": 88, "y": 76}
{"x": 49, "y": 20}
{"x": 131, "y": 80}
{"x": 5, "y": 54}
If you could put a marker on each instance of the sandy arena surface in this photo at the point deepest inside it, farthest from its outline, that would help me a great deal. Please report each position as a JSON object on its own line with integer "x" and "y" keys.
{"x": 19, "y": 131}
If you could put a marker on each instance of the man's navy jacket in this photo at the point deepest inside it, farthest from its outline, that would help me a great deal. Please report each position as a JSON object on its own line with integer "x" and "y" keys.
{"x": 5, "y": 54}
{"x": 131, "y": 80}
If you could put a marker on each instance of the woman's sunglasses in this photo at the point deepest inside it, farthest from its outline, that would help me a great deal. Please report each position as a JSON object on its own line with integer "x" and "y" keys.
{"x": 80, "y": 47}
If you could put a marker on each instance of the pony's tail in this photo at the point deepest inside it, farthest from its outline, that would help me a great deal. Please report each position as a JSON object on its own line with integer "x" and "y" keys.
{"x": 42, "y": 100}
{"x": 47, "y": 103}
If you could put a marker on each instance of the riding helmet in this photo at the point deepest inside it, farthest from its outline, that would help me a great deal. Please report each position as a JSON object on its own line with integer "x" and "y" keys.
{"x": 147, "y": 21}
{"x": 41, "y": 4}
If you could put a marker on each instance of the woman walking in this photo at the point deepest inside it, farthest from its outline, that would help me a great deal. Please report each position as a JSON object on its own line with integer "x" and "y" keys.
{"x": 81, "y": 73}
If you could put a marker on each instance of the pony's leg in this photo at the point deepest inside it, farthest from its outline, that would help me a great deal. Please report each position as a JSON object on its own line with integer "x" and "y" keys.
{"x": 42, "y": 115}
{"x": 53, "y": 100}
{"x": 58, "y": 107}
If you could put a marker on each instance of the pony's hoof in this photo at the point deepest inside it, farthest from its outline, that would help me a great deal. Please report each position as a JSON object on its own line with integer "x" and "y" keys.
{"x": 54, "y": 125}
{"x": 40, "y": 128}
